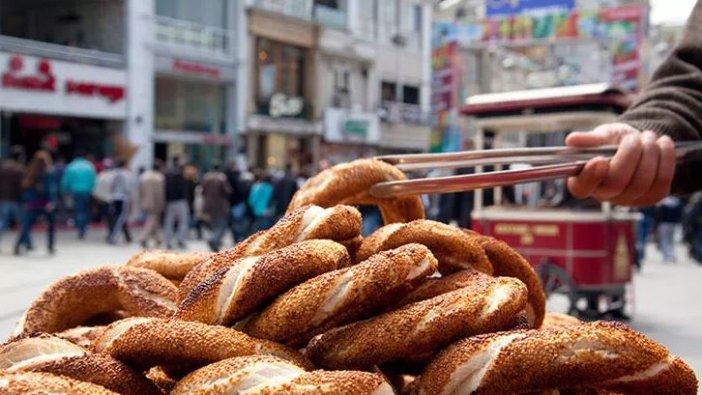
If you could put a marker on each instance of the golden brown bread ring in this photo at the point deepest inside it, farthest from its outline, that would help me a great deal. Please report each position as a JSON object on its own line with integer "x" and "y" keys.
{"x": 149, "y": 342}
{"x": 307, "y": 223}
{"x": 599, "y": 355}
{"x": 237, "y": 291}
{"x": 170, "y": 264}
{"x": 349, "y": 183}
{"x": 82, "y": 335}
{"x": 22, "y": 383}
{"x": 50, "y": 354}
{"x": 343, "y": 296}
{"x": 484, "y": 306}
{"x": 72, "y": 300}
{"x": 508, "y": 262}
{"x": 559, "y": 320}
{"x": 161, "y": 379}
{"x": 441, "y": 285}
{"x": 271, "y": 375}
{"x": 454, "y": 249}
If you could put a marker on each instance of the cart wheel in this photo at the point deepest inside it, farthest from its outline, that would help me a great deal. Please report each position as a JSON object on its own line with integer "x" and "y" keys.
{"x": 558, "y": 288}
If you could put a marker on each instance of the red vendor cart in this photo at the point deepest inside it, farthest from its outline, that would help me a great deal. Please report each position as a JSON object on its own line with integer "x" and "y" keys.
{"x": 583, "y": 252}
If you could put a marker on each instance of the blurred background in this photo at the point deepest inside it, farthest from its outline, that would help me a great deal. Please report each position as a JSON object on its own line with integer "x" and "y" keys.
{"x": 139, "y": 113}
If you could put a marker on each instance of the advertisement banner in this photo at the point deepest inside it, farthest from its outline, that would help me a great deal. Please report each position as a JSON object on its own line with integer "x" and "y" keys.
{"x": 515, "y": 7}
{"x": 445, "y": 97}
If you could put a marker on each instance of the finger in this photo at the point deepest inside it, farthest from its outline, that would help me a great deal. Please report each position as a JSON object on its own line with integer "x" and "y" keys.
{"x": 664, "y": 175}
{"x": 644, "y": 174}
{"x": 601, "y": 135}
{"x": 621, "y": 168}
{"x": 592, "y": 175}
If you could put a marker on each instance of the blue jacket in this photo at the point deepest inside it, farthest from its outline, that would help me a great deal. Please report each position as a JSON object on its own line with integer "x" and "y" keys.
{"x": 79, "y": 177}
{"x": 260, "y": 198}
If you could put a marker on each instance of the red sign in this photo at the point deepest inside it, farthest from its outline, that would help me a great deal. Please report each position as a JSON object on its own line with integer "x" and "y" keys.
{"x": 43, "y": 80}
{"x": 113, "y": 93}
{"x": 196, "y": 68}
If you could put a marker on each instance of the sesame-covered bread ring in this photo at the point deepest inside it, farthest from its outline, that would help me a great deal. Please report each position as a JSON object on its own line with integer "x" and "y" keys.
{"x": 22, "y": 383}
{"x": 336, "y": 223}
{"x": 454, "y": 249}
{"x": 72, "y": 300}
{"x": 559, "y": 320}
{"x": 343, "y": 296}
{"x": 236, "y": 291}
{"x": 81, "y": 335}
{"x": 50, "y": 354}
{"x": 489, "y": 305}
{"x": 170, "y": 264}
{"x": 599, "y": 355}
{"x": 148, "y": 342}
{"x": 508, "y": 262}
{"x": 436, "y": 286}
{"x": 270, "y": 375}
{"x": 349, "y": 183}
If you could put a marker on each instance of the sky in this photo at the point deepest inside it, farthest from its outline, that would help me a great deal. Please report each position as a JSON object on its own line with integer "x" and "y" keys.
{"x": 670, "y": 11}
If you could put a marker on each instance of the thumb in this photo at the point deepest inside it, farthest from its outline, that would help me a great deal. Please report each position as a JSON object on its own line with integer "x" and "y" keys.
{"x": 602, "y": 135}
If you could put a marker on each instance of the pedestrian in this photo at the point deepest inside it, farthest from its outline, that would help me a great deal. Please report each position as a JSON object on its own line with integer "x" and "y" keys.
{"x": 102, "y": 194}
{"x": 260, "y": 201}
{"x": 177, "y": 211}
{"x": 152, "y": 200}
{"x": 643, "y": 230}
{"x": 121, "y": 190}
{"x": 39, "y": 197}
{"x": 641, "y": 171}
{"x": 78, "y": 181}
{"x": 241, "y": 214}
{"x": 215, "y": 193}
{"x": 11, "y": 172}
{"x": 192, "y": 180}
{"x": 668, "y": 216}
{"x": 283, "y": 190}
{"x": 693, "y": 219}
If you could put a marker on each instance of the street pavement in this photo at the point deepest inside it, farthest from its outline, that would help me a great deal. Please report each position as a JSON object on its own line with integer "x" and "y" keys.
{"x": 665, "y": 297}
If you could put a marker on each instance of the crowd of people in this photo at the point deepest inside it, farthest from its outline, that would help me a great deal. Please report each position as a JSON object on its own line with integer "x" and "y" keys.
{"x": 169, "y": 200}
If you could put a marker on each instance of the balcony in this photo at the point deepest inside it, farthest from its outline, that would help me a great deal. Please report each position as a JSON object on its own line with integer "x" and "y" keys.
{"x": 330, "y": 17}
{"x": 301, "y": 9}
{"x": 60, "y": 52}
{"x": 193, "y": 39}
{"x": 394, "y": 112}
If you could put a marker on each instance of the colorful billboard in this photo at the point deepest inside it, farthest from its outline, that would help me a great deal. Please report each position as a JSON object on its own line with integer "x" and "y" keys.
{"x": 517, "y": 7}
{"x": 445, "y": 97}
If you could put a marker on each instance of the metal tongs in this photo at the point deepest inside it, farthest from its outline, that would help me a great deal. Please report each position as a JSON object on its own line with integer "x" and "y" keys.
{"x": 549, "y": 163}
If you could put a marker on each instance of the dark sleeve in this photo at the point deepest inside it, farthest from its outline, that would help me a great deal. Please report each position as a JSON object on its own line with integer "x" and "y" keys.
{"x": 671, "y": 104}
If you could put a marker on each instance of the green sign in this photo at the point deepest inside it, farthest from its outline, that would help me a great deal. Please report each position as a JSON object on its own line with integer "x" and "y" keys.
{"x": 356, "y": 127}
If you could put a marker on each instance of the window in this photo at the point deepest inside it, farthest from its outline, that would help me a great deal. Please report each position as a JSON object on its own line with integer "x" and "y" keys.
{"x": 368, "y": 15}
{"x": 410, "y": 94}
{"x": 280, "y": 71}
{"x": 335, "y": 4}
{"x": 204, "y": 12}
{"x": 388, "y": 91}
{"x": 189, "y": 105}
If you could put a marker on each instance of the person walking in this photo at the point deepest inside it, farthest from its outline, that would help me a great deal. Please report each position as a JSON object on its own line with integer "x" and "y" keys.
{"x": 669, "y": 214}
{"x": 283, "y": 190}
{"x": 39, "y": 197}
{"x": 121, "y": 191}
{"x": 11, "y": 172}
{"x": 215, "y": 193}
{"x": 102, "y": 194}
{"x": 241, "y": 215}
{"x": 152, "y": 199}
{"x": 176, "y": 205}
{"x": 78, "y": 181}
{"x": 260, "y": 199}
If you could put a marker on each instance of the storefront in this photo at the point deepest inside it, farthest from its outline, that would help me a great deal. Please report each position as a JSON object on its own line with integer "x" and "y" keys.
{"x": 61, "y": 106}
{"x": 349, "y": 135}
{"x": 193, "y": 110}
{"x": 282, "y": 128}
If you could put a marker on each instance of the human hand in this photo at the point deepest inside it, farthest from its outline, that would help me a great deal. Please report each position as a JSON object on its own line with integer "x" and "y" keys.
{"x": 639, "y": 174}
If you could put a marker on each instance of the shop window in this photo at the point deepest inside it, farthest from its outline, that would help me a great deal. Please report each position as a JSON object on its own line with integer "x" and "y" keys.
{"x": 388, "y": 91}
{"x": 190, "y": 106}
{"x": 280, "y": 79}
{"x": 410, "y": 94}
{"x": 335, "y": 4}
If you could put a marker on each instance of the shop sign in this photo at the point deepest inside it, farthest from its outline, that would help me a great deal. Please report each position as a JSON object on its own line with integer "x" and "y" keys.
{"x": 344, "y": 126}
{"x": 196, "y": 68}
{"x": 284, "y": 106}
{"x": 16, "y": 77}
{"x": 113, "y": 93}
{"x": 515, "y": 7}
{"x": 36, "y": 85}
